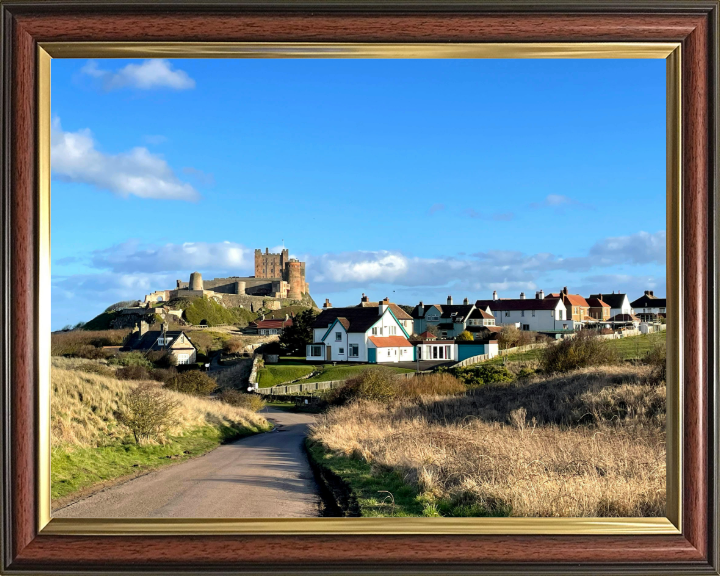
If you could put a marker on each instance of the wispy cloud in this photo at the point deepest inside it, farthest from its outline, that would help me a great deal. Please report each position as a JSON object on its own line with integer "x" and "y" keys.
{"x": 560, "y": 203}
{"x": 436, "y": 208}
{"x": 132, "y": 257}
{"x": 202, "y": 178}
{"x": 494, "y": 216}
{"x": 138, "y": 172}
{"x": 148, "y": 75}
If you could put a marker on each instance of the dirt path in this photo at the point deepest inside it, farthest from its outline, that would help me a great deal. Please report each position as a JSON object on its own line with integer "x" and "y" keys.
{"x": 262, "y": 476}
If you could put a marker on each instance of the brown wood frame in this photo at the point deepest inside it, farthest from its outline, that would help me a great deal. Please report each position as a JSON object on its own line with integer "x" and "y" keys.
{"x": 693, "y": 23}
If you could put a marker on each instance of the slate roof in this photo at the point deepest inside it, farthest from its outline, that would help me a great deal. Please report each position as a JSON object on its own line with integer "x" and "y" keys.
{"x": 597, "y": 303}
{"x": 526, "y": 304}
{"x": 354, "y": 318}
{"x": 647, "y": 301}
{"x": 148, "y": 341}
{"x": 446, "y": 310}
{"x": 478, "y": 313}
{"x": 614, "y": 300}
{"x": 390, "y": 341}
{"x": 400, "y": 314}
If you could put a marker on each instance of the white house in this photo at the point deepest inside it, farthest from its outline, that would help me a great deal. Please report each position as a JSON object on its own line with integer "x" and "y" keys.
{"x": 403, "y": 317}
{"x": 359, "y": 334}
{"x": 432, "y": 349}
{"x": 536, "y": 314}
{"x": 619, "y": 303}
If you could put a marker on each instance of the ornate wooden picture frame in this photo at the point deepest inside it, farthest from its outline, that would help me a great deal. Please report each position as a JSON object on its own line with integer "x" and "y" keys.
{"x": 685, "y": 33}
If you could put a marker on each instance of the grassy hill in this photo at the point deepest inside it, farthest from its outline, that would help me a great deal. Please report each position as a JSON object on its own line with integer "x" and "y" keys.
{"x": 90, "y": 446}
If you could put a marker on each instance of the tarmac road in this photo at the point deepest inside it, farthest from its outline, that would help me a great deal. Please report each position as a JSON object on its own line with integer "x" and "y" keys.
{"x": 261, "y": 476}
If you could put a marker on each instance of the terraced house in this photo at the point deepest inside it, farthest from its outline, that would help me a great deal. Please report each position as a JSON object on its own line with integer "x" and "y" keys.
{"x": 359, "y": 334}
{"x": 539, "y": 314}
{"x": 449, "y": 319}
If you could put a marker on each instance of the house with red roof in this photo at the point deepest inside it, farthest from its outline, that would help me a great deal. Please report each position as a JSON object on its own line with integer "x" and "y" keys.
{"x": 271, "y": 327}
{"x": 578, "y": 309}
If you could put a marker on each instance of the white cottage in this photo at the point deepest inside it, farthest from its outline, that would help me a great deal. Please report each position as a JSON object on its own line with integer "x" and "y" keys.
{"x": 536, "y": 314}
{"x": 359, "y": 334}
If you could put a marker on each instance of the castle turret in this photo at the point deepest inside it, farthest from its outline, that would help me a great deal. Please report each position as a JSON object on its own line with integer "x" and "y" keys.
{"x": 196, "y": 282}
{"x": 295, "y": 280}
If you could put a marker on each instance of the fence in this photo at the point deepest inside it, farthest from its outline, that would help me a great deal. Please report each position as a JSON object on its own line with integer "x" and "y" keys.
{"x": 305, "y": 387}
{"x": 253, "y": 378}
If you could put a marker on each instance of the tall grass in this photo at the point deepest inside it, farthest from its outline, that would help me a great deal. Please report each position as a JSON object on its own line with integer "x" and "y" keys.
{"x": 69, "y": 343}
{"x": 588, "y": 443}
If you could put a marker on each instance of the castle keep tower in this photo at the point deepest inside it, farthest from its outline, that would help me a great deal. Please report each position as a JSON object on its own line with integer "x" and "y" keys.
{"x": 295, "y": 280}
{"x": 196, "y": 281}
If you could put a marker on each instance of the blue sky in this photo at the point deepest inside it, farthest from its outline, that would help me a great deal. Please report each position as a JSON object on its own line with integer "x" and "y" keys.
{"x": 412, "y": 179}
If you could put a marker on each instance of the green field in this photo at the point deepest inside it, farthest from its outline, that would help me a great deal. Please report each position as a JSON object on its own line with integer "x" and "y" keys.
{"x": 292, "y": 368}
{"x": 630, "y": 348}
{"x": 81, "y": 468}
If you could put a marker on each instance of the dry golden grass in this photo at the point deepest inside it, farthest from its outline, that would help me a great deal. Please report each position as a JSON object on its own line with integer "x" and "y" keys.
{"x": 83, "y": 407}
{"x": 590, "y": 443}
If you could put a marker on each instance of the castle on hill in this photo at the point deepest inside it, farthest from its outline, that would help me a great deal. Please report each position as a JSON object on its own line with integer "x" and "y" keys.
{"x": 277, "y": 276}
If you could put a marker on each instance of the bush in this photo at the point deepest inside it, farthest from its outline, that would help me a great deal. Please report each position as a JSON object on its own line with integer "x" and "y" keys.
{"x": 99, "y": 369}
{"x": 379, "y": 384}
{"x": 120, "y": 305}
{"x": 464, "y": 336}
{"x": 148, "y": 411}
{"x": 582, "y": 351}
{"x": 163, "y": 374}
{"x": 234, "y": 346}
{"x": 252, "y": 402}
{"x": 90, "y": 352}
{"x": 133, "y": 373}
{"x": 192, "y": 382}
{"x": 131, "y": 359}
{"x": 485, "y": 373}
{"x": 657, "y": 359}
{"x": 162, "y": 359}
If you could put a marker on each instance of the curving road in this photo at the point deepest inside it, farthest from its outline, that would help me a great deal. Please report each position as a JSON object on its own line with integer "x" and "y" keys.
{"x": 262, "y": 476}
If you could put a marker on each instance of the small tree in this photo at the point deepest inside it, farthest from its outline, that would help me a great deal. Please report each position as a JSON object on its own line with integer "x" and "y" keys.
{"x": 464, "y": 336}
{"x": 192, "y": 382}
{"x": 434, "y": 330}
{"x": 509, "y": 337}
{"x": 295, "y": 337}
{"x": 148, "y": 411}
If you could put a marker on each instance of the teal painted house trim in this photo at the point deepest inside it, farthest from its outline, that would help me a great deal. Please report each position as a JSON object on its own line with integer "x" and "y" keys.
{"x": 372, "y": 355}
{"x": 465, "y": 351}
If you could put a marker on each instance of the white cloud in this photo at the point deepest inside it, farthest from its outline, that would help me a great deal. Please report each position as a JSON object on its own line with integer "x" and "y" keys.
{"x": 138, "y": 172}
{"x": 132, "y": 257}
{"x": 560, "y": 203}
{"x": 149, "y": 74}
{"x": 640, "y": 248}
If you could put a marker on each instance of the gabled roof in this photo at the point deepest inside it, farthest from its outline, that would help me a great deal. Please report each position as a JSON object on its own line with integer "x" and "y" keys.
{"x": 390, "y": 341}
{"x": 615, "y": 300}
{"x": 597, "y": 303}
{"x": 525, "y": 304}
{"x": 646, "y": 301}
{"x": 400, "y": 314}
{"x": 353, "y": 318}
{"x": 447, "y": 311}
{"x": 272, "y": 323}
{"x": 573, "y": 299}
{"x": 480, "y": 313}
{"x": 625, "y": 318}
{"x": 148, "y": 341}
{"x": 428, "y": 336}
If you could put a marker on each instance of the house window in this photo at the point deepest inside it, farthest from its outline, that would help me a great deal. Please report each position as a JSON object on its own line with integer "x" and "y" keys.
{"x": 354, "y": 350}
{"x": 447, "y": 352}
{"x": 315, "y": 350}
{"x": 507, "y": 314}
{"x": 183, "y": 358}
{"x": 526, "y": 326}
{"x": 522, "y": 313}
{"x": 341, "y": 350}
{"x": 435, "y": 352}
{"x": 388, "y": 351}
{"x": 338, "y": 336}
{"x": 374, "y": 331}
{"x": 533, "y": 313}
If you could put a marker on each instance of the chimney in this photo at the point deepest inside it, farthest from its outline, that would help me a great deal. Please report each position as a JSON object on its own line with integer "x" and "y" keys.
{"x": 327, "y": 304}
{"x": 652, "y": 293}
{"x": 143, "y": 327}
{"x": 522, "y": 295}
{"x": 287, "y": 317}
{"x": 541, "y": 295}
{"x": 466, "y": 301}
{"x": 449, "y": 301}
{"x": 382, "y": 306}
{"x": 565, "y": 290}
{"x": 421, "y": 309}
{"x": 386, "y": 300}
{"x": 495, "y": 297}
{"x": 364, "y": 298}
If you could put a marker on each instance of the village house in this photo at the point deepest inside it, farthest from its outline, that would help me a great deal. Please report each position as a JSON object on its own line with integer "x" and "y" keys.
{"x": 175, "y": 342}
{"x": 272, "y": 326}
{"x": 449, "y": 319}
{"x": 578, "y": 309}
{"x": 403, "y": 317}
{"x": 539, "y": 314}
{"x": 649, "y": 308}
{"x": 359, "y": 334}
{"x": 599, "y": 309}
{"x": 435, "y": 349}
{"x": 619, "y": 303}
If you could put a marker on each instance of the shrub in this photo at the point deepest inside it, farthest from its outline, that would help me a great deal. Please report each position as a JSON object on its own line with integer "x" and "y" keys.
{"x": 148, "y": 411}
{"x": 485, "y": 373}
{"x": 657, "y": 359}
{"x": 162, "y": 359}
{"x": 163, "y": 374}
{"x": 252, "y": 402}
{"x": 90, "y": 352}
{"x": 464, "y": 336}
{"x": 234, "y": 346}
{"x": 192, "y": 382}
{"x": 584, "y": 350}
{"x": 120, "y": 305}
{"x": 131, "y": 359}
{"x": 133, "y": 373}
{"x": 379, "y": 384}
{"x": 99, "y": 369}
